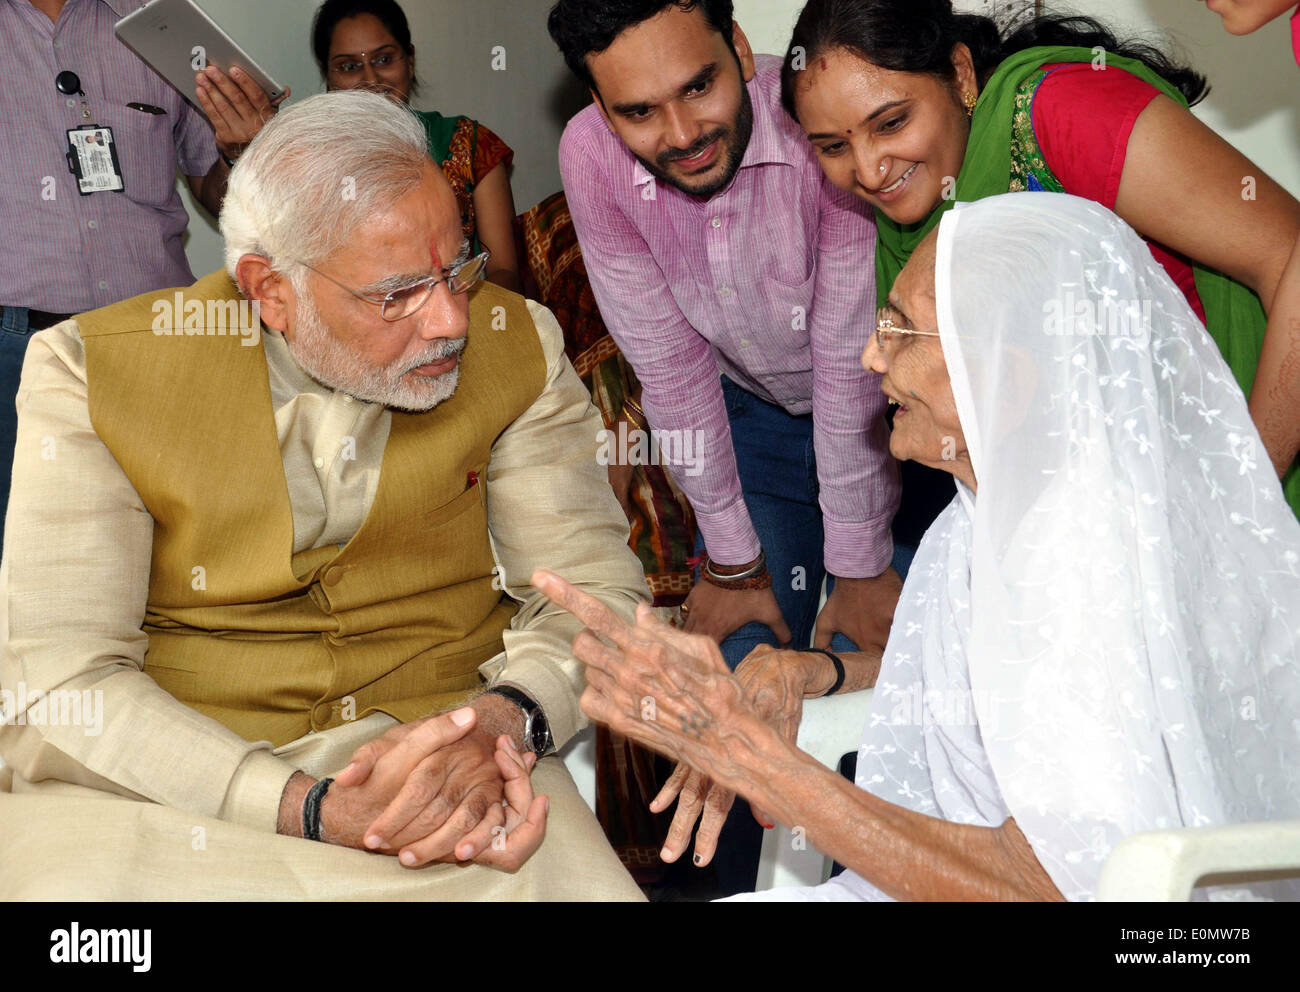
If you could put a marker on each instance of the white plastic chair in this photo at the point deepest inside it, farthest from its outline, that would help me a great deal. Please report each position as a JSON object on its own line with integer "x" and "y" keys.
{"x": 1164, "y": 865}
{"x": 831, "y": 728}
{"x": 579, "y": 757}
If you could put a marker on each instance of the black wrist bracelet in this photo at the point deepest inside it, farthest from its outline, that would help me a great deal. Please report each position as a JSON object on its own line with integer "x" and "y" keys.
{"x": 311, "y": 809}
{"x": 839, "y": 670}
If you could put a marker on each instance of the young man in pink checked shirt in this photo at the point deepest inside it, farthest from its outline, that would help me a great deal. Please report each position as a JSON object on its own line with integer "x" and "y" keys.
{"x": 740, "y": 285}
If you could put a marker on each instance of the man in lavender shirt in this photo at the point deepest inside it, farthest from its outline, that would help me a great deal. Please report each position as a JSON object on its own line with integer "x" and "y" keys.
{"x": 740, "y": 285}
{"x": 66, "y": 253}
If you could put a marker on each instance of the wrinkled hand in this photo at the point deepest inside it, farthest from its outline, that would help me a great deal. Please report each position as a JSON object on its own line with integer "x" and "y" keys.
{"x": 237, "y": 107}
{"x": 860, "y": 609}
{"x": 441, "y": 794}
{"x": 717, "y": 613}
{"x": 666, "y": 689}
{"x": 774, "y": 683}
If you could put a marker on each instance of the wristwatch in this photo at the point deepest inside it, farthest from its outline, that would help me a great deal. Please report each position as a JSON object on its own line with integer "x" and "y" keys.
{"x": 537, "y": 732}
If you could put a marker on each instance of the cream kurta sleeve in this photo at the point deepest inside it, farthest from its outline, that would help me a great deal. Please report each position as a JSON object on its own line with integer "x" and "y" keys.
{"x": 550, "y": 505}
{"x": 77, "y": 548}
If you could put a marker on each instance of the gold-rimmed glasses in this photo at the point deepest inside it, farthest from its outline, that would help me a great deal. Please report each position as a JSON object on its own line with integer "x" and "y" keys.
{"x": 887, "y": 331}
{"x": 460, "y": 277}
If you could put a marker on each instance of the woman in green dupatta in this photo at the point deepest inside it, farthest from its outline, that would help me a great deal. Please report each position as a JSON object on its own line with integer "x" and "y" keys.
{"x": 913, "y": 107}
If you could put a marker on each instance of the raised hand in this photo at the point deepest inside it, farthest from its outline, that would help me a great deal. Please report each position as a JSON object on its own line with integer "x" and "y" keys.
{"x": 666, "y": 689}
{"x": 235, "y": 105}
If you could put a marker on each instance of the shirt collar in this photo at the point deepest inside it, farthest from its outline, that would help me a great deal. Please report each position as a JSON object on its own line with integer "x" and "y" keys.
{"x": 776, "y": 139}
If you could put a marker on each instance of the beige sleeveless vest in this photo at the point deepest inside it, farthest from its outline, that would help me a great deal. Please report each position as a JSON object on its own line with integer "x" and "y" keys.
{"x": 274, "y": 644}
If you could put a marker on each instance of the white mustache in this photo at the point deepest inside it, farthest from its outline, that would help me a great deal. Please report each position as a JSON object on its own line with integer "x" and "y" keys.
{"x": 439, "y": 351}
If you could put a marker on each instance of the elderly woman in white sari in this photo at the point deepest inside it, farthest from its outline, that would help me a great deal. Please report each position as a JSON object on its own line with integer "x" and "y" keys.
{"x": 1099, "y": 634}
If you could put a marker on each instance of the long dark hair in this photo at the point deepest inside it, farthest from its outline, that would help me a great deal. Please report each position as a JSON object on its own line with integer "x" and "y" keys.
{"x": 919, "y": 35}
{"x": 328, "y": 15}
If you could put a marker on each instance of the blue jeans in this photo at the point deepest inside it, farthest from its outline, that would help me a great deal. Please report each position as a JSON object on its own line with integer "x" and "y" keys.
{"x": 778, "y": 476}
{"x": 14, "y": 335}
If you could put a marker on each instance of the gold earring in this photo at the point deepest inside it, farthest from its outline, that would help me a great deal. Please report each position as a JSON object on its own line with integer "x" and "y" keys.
{"x": 969, "y": 99}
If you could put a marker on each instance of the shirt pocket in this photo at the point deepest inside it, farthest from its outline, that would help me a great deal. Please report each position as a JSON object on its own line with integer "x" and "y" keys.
{"x": 472, "y": 497}
{"x": 145, "y": 152}
{"x": 790, "y": 309}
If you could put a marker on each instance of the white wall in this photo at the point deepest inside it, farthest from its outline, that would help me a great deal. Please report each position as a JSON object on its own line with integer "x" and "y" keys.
{"x": 1255, "y": 103}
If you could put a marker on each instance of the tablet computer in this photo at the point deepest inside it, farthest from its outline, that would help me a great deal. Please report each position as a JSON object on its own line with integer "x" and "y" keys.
{"x": 179, "y": 40}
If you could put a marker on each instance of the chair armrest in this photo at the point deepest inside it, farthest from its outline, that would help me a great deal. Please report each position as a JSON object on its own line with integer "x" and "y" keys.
{"x": 831, "y": 726}
{"x": 1164, "y": 865}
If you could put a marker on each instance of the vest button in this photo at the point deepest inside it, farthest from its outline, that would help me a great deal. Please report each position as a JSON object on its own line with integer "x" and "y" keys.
{"x": 321, "y": 714}
{"x": 333, "y": 575}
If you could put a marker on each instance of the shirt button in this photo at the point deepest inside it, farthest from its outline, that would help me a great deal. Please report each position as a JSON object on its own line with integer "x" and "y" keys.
{"x": 347, "y": 398}
{"x": 92, "y": 224}
{"x": 103, "y": 284}
{"x": 71, "y": 103}
{"x": 724, "y": 291}
{"x": 320, "y": 462}
{"x": 716, "y": 222}
{"x": 769, "y": 378}
{"x": 744, "y": 342}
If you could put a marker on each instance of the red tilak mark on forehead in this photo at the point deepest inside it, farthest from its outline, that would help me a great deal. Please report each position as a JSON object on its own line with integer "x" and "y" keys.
{"x": 433, "y": 254}
{"x": 823, "y": 61}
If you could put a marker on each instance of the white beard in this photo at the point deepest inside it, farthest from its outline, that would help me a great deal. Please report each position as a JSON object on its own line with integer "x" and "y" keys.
{"x": 330, "y": 362}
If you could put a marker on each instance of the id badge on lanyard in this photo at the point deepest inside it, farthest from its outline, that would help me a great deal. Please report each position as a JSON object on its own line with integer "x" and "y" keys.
{"x": 92, "y": 155}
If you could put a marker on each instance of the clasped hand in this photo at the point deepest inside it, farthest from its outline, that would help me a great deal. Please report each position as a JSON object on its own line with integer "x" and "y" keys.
{"x": 438, "y": 790}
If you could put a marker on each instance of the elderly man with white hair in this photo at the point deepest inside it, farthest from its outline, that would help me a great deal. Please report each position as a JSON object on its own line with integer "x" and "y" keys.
{"x": 281, "y": 523}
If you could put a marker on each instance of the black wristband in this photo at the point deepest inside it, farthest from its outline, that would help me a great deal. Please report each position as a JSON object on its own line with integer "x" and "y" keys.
{"x": 839, "y": 670}
{"x": 230, "y": 162}
{"x": 311, "y": 809}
